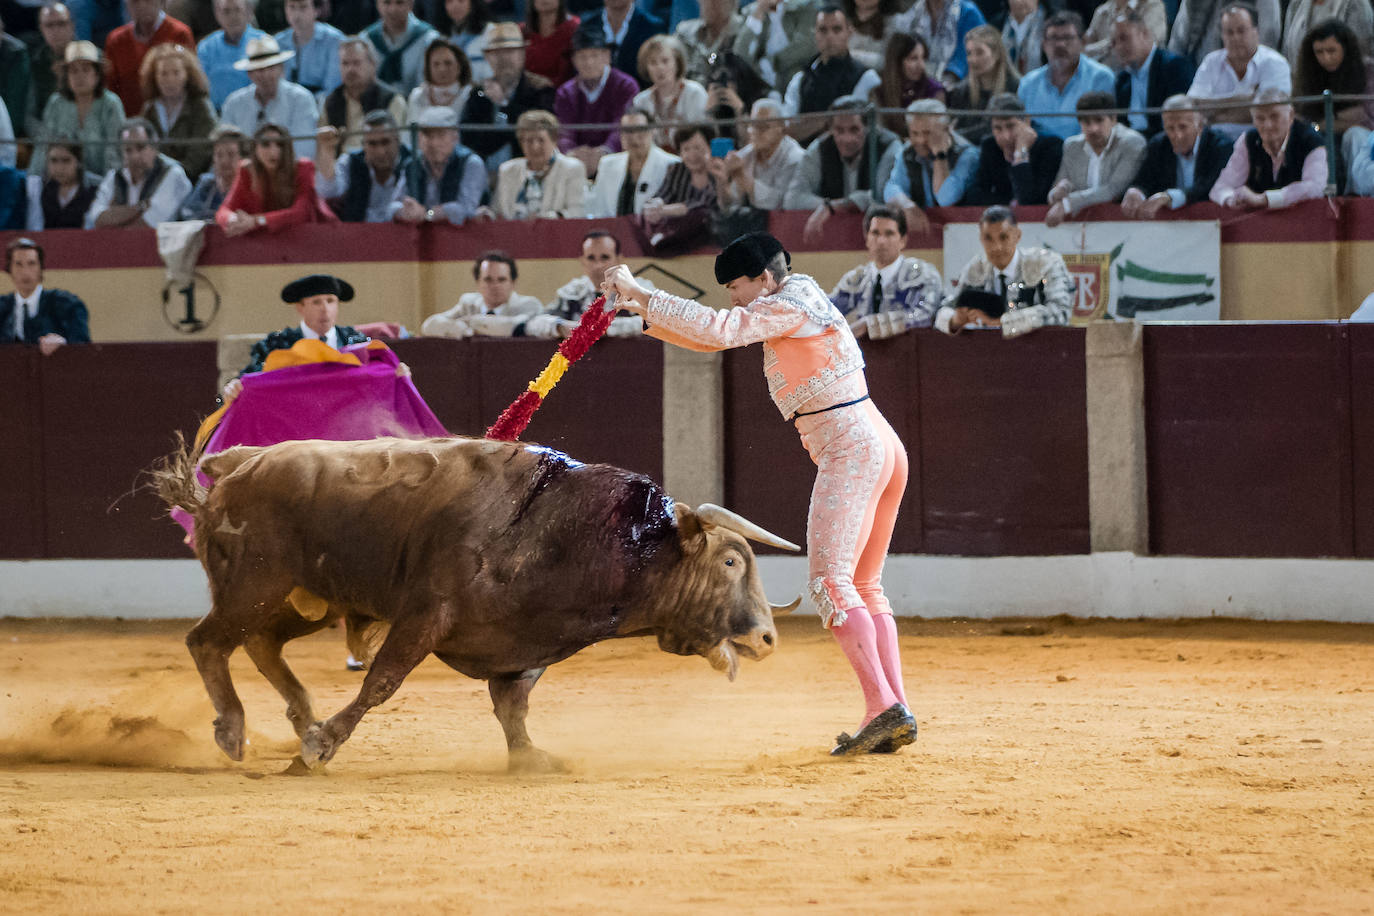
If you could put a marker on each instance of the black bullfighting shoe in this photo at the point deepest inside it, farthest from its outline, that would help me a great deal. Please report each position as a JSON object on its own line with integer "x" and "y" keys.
{"x": 894, "y": 726}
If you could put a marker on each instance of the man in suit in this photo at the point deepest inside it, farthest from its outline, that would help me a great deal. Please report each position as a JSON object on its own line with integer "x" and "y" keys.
{"x": 1149, "y": 73}
{"x": 1098, "y": 164}
{"x": 626, "y": 27}
{"x": 892, "y": 293}
{"x": 316, "y": 300}
{"x": 32, "y": 314}
{"x": 1181, "y": 163}
{"x": 1016, "y": 165}
{"x": 1044, "y": 295}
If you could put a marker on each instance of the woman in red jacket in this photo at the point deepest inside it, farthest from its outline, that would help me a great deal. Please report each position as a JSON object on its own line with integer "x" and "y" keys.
{"x": 273, "y": 189}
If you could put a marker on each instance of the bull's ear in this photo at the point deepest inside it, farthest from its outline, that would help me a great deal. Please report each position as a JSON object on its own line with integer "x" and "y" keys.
{"x": 688, "y": 524}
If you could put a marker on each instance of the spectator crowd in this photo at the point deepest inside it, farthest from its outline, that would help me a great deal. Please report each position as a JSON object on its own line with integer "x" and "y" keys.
{"x": 261, "y": 114}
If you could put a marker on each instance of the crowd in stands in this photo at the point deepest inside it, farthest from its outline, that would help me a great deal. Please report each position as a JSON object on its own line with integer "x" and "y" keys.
{"x": 262, "y": 115}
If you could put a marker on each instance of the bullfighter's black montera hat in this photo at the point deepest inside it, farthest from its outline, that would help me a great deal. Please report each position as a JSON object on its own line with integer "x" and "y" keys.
{"x": 316, "y": 285}
{"x": 748, "y": 256}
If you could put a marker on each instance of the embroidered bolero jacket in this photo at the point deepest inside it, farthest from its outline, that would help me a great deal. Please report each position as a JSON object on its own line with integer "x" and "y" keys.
{"x": 810, "y": 358}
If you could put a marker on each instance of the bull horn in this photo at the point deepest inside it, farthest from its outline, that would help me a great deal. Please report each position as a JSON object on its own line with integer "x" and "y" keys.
{"x": 781, "y": 610}
{"x": 724, "y": 518}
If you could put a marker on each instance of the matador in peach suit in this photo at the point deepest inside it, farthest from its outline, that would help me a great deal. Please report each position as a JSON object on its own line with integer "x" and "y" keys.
{"x": 814, "y": 371}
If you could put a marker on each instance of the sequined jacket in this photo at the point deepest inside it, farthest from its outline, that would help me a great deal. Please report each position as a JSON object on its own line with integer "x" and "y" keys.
{"x": 918, "y": 292}
{"x": 810, "y": 358}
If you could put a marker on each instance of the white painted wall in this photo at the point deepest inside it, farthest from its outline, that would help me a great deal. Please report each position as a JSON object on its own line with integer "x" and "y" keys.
{"x": 1119, "y": 585}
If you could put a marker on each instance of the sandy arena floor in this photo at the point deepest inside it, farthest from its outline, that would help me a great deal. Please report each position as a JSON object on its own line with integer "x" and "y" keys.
{"x": 1062, "y": 766}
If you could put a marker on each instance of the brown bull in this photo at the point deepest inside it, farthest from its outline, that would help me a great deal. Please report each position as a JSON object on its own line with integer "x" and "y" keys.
{"x": 499, "y": 558}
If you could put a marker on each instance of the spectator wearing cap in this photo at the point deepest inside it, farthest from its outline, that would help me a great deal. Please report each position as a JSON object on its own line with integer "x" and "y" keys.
{"x": 127, "y": 45}
{"x": 357, "y": 94}
{"x": 315, "y": 44}
{"x": 1149, "y": 74}
{"x": 32, "y": 314}
{"x": 831, "y": 74}
{"x": 82, "y": 110}
{"x": 934, "y": 166}
{"x": 316, "y": 300}
{"x": 445, "y": 182}
{"x": 625, "y": 27}
{"x": 777, "y": 38}
{"x": 494, "y": 310}
{"x": 400, "y": 39}
{"x": 362, "y": 185}
{"x": 837, "y": 170}
{"x": 543, "y": 183}
{"x": 147, "y": 190}
{"x": 221, "y": 51}
{"x": 1275, "y": 164}
{"x": 501, "y": 100}
{"x": 229, "y": 146}
{"x": 598, "y": 94}
{"x": 1182, "y": 162}
{"x": 1068, "y": 74}
{"x": 1096, "y": 165}
{"x": 178, "y": 106}
{"x": 1016, "y": 165}
{"x": 271, "y": 99}
{"x": 1234, "y": 75}
{"x": 273, "y": 190}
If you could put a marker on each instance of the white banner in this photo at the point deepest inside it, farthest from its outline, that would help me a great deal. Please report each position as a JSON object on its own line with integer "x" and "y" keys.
{"x": 1149, "y": 271}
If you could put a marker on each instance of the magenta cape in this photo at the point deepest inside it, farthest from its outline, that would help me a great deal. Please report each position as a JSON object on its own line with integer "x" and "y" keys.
{"x": 323, "y": 401}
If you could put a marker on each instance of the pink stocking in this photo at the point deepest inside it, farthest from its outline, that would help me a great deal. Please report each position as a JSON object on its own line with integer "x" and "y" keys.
{"x": 886, "y": 633}
{"x": 857, "y": 638}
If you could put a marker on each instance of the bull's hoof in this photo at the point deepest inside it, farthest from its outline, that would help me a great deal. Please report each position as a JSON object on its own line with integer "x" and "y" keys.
{"x": 316, "y": 747}
{"x": 229, "y": 737}
{"x": 532, "y": 760}
{"x": 894, "y": 727}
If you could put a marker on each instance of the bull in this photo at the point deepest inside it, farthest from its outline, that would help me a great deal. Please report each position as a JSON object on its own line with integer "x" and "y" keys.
{"x": 499, "y": 558}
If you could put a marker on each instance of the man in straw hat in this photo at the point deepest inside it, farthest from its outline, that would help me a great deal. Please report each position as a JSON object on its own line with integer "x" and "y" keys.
{"x": 221, "y": 51}
{"x": 510, "y": 92}
{"x": 815, "y": 375}
{"x": 128, "y": 45}
{"x": 271, "y": 99}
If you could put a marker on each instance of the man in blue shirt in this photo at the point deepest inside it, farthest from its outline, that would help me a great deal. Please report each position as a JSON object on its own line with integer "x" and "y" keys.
{"x": 1069, "y": 73}
{"x": 219, "y": 51}
{"x": 934, "y": 166}
{"x": 316, "y": 64}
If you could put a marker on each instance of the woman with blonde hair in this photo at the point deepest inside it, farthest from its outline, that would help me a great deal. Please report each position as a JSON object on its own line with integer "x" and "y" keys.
{"x": 543, "y": 182}
{"x": 177, "y": 104}
{"x": 672, "y": 98}
{"x": 990, "y": 72}
{"x": 273, "y": 189}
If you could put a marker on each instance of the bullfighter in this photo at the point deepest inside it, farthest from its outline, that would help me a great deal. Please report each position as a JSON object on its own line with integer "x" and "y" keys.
{"x": 815, "y": 375}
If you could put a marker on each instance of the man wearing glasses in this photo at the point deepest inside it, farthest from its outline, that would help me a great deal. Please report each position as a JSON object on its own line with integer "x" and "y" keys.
{"x": 146, "y": 191}
{"x": 361, "y": 186}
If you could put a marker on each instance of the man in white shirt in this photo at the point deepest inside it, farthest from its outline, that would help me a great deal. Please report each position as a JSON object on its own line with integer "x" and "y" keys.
{"x": 146, "y": 191}
{"x": 892, "y": 293}
{"x": 1241, "y": 68}
{"x": 271, "y": 99}
{"x": 495, "y": 310}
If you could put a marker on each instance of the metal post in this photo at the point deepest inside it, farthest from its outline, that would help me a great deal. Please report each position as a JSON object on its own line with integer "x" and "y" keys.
{"x": 871, "y": 117}
{"x": 1329, "y": 109}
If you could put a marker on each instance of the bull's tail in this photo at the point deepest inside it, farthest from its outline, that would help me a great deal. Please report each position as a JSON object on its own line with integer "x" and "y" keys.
{"x": 174, "y": 478}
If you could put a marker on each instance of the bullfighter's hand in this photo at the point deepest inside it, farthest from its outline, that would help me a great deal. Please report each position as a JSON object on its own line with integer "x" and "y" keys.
{"x": 402, "y": 370}
{"x": 629, "y": 294}
{"x": 981, "y": 319}
{"x": 232, "y": 389}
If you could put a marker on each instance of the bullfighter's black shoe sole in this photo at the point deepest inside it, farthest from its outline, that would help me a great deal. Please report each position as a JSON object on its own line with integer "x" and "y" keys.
{"x": 894, "y": 726}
